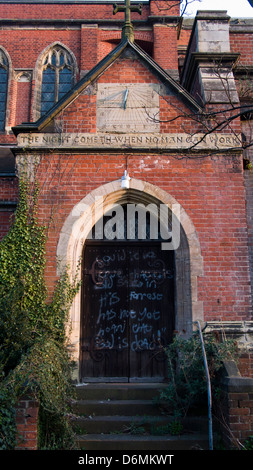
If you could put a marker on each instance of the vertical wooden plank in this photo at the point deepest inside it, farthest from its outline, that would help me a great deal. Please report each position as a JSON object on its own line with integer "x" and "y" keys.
{"x": 105, "y": 324}
{"x": 128, "y": 309}
{"x": 151, "y": 296}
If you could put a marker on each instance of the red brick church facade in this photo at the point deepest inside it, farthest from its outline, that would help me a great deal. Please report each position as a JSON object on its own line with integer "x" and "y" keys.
{"x": 83, "y": 104}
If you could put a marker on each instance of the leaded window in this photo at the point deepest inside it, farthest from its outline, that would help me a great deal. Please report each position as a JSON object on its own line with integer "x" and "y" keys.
{"x": 4, "y": 71}
{"x": 57, "y": 77}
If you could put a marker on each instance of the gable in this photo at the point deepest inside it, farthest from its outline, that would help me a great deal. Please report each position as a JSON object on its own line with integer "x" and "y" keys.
{"x": 125, "y": 98}
{"x": 126, "y": 102}
{"x": 94, "y": 101}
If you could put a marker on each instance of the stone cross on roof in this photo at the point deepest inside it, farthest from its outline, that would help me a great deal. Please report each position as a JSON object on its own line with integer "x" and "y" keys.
{"x": 127, "y": 30}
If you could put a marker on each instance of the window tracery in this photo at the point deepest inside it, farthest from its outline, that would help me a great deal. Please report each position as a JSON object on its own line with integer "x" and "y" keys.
{"x": 58, "y": 72}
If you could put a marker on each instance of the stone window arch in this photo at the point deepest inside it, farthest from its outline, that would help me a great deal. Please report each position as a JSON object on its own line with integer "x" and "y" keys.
{"x": 56, "y": 75}
{"x": 4, "y": 78}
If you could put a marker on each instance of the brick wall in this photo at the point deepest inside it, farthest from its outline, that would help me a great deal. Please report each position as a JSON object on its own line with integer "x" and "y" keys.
{"x": 213, "y": 196}
{"x": 234, "y": 410}
{"x": 89, "y": 46}
{"x": 5, "y": 220}
{"x": 209, "y": 187}
{"x": 23, "y": 102}
{"x": 27, "y": 423}
{"x": 8, "y": 193}
{"x": 8, "y": 189}
{"x": 245, "y": 364}
{"x": 238, "y": 415}
{"x": 165, "y": 46}
{"x": 242, "y": 42}
{"x": 164, "y": 7}
{"x": 88, "y": 42}
{"x": 68, "y": 11}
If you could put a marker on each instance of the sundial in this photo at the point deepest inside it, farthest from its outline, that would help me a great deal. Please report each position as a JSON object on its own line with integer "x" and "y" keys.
{"x": 128, "y": 107}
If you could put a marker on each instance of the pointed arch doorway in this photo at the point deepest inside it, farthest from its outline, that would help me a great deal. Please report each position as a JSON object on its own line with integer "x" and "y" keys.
{"x": 188, "y": 261}
{"x": 127, "y": 306}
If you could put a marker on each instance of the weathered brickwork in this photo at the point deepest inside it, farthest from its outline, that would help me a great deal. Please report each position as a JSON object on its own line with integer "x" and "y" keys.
{"x": 238, "y": 417}
{"x": 27, "y": 424}
{"x": 246, "y": 365}
{"x": 212, "y": 182}
{"x": 242, "y": 42}
{"x": 235, "y": 407}
{"x": 225, "y": 289}
{"x": 69, "y": 11}
{"x": 5, "y": 221}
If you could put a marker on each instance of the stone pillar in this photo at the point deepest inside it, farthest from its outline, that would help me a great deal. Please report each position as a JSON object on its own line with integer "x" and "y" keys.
{"x": 207, "y": 72}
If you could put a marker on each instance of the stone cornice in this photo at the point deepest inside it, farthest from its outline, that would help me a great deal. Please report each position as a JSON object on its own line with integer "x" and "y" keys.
{"x": 207, "y": 59}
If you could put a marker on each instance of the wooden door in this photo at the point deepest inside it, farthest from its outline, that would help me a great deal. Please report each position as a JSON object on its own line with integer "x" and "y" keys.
{"x": 127, "y": 311}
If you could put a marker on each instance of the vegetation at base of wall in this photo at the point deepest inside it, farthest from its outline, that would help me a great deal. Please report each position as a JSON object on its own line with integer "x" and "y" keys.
{"x": 187, "y": 383}
{"x": 7, "y": 419}
{"x": 34, "y": 349}
{"x": 248, "y": 444}
{"x": 55, "y": 431}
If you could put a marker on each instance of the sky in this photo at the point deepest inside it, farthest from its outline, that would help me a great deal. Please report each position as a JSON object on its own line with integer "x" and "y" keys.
{"x": 235, "y": 8}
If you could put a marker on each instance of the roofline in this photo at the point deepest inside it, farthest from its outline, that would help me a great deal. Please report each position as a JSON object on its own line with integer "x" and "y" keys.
{"x": 92, "y": 75}
{"x": 179, "y": 88}
{"x": 72, "y": 94}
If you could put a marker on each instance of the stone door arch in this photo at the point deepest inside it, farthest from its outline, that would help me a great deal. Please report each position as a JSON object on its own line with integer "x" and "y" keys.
{"x": 188, "y": 259}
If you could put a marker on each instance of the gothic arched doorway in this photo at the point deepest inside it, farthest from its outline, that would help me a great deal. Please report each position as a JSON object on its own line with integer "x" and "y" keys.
{"x": 187, "y": 257}
{"x": 127, "y": 307}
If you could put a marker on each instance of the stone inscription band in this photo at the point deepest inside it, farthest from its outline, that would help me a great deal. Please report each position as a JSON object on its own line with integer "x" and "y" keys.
{"x": 133, "y": 141}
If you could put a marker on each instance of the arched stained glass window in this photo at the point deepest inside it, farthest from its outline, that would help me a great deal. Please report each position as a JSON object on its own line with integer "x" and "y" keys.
{"x": 4, "y": 72}
{"x": 57, "y": 77}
